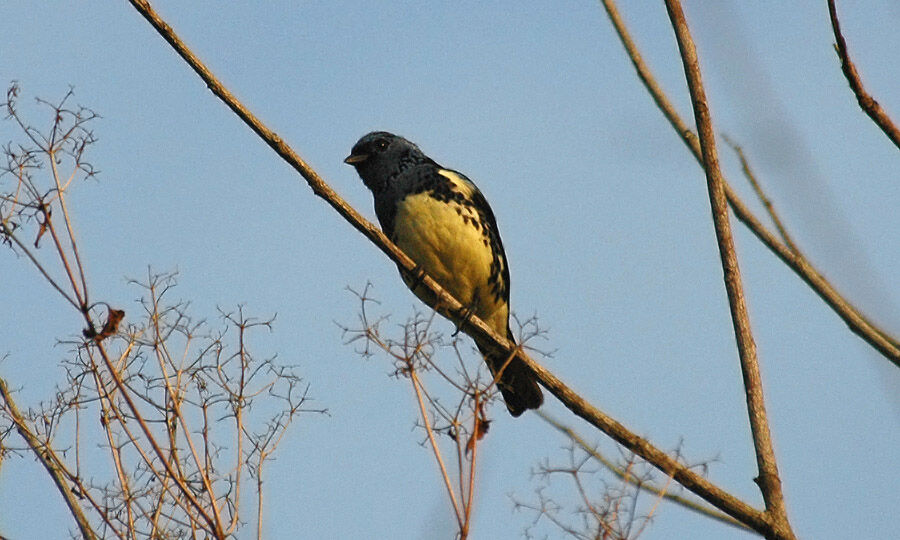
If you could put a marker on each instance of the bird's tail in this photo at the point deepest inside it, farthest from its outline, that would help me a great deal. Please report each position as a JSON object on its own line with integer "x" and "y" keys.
{"x": 517, "y": 383}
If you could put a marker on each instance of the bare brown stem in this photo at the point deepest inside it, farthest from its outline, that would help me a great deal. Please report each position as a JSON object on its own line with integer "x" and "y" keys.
{"x": 866, "y": 102}
{"x": 259, "y": 506}
{"x": 761, "y": 195}
{"x": 768, "y": 480}
{"x": 473, "y": 461}
{"x": 53, "y": 469}
{"x": 423, "y": 410}
{"x": 61, "y": 194}
{"x": 64, "y": 260}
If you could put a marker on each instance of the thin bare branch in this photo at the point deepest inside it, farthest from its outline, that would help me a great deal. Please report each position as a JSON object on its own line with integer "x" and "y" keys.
{"x": 53, "y": 469}
{"x": 73, "y": 242}
{"x": 8, "y": 233}
{"x": 866, "y": 102}
{"x": 692, "y": 505}
{"x": 768, "y": 480}
{"x": 761, "y": 195}
{"x": 423, "y": 410}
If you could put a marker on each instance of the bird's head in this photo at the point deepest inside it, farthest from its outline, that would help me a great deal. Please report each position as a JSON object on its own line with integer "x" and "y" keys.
{"x": 380, "y": 157}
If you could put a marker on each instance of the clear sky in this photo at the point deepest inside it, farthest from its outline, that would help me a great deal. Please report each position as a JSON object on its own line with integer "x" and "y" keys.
{"x": 603, "y": 212}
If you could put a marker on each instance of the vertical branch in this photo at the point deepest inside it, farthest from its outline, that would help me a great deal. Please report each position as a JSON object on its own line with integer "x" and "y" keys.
{"x": 115, "y": 449}
{"x": 456, "y": 427}
{"x": 768, "y": 479}
{"x": 163, "y": 357}
{"x": 259, "y": 503}
{"x": 240, "y": 404}
{"x": 472, "y": 447}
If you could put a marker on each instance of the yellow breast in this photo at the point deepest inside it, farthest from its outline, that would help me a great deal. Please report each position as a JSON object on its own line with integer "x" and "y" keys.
{"x": 442, "y": 239}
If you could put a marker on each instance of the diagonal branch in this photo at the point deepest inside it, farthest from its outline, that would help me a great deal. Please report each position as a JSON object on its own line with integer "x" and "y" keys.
{"x": 858, "y": 323}
{"x": 453, "y": 310}
{"x": 755, "y": 519}
{"x": 690, "y": 504}
{"x": 866, "y": 102}
{"x": 761, "y": 195}
{"x": 6, "y": 232}
{"x": 768, "y": 480}
{"x": 53, "y": 468}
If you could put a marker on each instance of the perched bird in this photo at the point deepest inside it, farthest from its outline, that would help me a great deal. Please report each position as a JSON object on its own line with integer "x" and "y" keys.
{"x": 441, "y": 220}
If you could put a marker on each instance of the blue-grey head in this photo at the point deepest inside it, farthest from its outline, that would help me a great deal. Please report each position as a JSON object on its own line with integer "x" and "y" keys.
{"x": 379, "y": 157}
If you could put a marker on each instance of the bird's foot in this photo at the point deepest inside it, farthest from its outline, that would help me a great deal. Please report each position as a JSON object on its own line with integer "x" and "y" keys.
{"x": 467, "y": 316}
{"x": 416, "y": 277}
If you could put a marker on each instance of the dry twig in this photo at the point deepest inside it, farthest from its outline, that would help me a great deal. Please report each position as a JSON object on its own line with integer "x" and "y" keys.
{"x": 761, "y": 195}
{"x": 51, "y": 465}
{"x": 615, "y": 511}
{"x": 690, "y": 504}
{"x": 866, "y": 102}
{"x": 414, "y": 356}
{"x": 166, "y": 477}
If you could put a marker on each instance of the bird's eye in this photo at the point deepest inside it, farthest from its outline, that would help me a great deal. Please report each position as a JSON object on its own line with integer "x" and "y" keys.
{"x": 381, "y": 144}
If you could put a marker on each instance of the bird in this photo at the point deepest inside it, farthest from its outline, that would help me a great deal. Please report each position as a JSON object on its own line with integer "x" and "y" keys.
{"x": 441, "y": 220}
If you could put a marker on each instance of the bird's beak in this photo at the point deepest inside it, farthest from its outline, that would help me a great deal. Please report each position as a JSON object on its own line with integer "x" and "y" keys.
{"x": 353, "y": 159}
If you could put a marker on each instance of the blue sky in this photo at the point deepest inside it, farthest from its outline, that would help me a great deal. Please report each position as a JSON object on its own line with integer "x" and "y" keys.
{"x": 603, "y": 212}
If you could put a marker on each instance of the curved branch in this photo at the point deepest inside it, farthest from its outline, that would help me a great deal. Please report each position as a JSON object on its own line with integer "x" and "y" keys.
{"x": 866, "y": 102}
